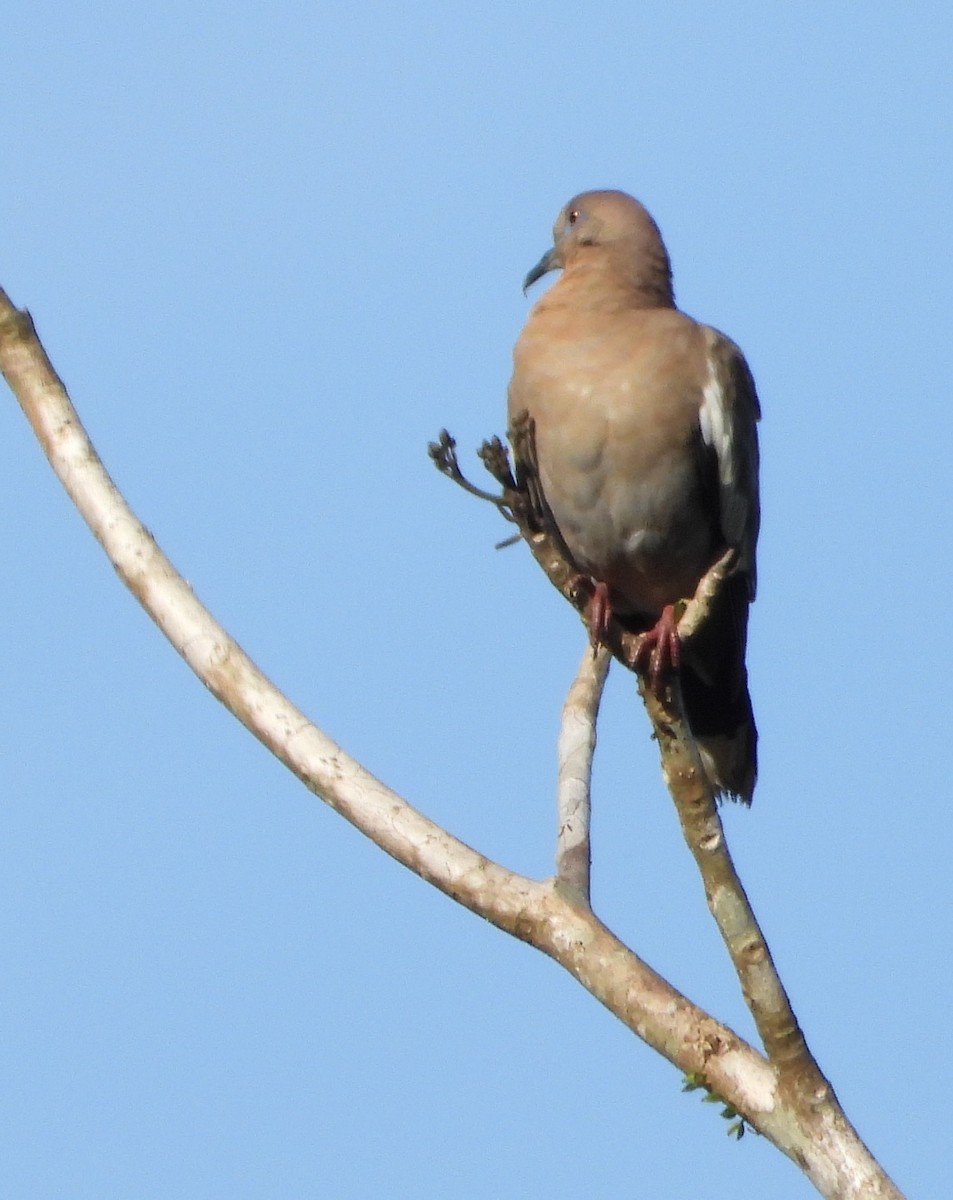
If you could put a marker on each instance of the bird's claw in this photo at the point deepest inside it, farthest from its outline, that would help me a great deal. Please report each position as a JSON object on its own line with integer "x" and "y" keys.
{"x": 660, "y": 649}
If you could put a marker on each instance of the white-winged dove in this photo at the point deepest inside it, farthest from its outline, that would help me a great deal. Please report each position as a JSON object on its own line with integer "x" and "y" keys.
{"x": 646, "y": 438}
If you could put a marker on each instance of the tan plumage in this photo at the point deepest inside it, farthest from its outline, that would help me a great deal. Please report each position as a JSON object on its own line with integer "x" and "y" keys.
{"x": 646, "y": 438}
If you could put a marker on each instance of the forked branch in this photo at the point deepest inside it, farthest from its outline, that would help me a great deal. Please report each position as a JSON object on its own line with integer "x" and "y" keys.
{"x": 522, "y": 501}
{"x": 547, "y": 914}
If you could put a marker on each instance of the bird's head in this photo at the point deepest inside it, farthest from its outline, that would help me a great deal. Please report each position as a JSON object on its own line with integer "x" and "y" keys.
{"x": 613, "y": 232}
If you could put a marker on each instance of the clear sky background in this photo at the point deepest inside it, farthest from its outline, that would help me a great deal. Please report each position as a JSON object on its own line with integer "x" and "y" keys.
{"x": 271, "y": 251}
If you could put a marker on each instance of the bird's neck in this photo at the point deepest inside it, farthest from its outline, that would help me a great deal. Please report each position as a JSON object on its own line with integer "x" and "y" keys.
{"x": 600, "y": 282}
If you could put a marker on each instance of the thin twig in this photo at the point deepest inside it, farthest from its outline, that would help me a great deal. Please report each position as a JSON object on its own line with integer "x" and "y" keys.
{"x": 443, "y": 452}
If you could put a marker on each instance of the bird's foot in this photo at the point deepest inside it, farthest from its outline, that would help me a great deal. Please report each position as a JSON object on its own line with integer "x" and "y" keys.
{"x": 598, "y": 612}
{"x": 660, "y": 649}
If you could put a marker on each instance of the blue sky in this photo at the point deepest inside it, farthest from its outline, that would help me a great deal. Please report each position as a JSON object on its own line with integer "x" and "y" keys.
{"x": 272, "y": 251}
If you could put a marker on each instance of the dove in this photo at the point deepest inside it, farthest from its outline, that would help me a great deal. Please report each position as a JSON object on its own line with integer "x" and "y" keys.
{"x": 645, "y": 427}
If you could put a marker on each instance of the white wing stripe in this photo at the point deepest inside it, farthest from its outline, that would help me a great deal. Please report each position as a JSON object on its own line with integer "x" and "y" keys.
{"x": 716, "y": 426}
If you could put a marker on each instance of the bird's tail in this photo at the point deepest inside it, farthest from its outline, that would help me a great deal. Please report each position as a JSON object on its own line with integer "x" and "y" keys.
{"x": 715, "y": 691}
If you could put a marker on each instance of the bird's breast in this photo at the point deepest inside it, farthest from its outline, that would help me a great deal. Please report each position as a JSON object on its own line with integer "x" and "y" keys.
{"x": 616, "y": 423}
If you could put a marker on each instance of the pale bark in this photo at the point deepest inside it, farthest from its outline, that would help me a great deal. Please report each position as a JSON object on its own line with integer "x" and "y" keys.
{"x": 576, "y": 746}
{"x": 783, "y": 1096}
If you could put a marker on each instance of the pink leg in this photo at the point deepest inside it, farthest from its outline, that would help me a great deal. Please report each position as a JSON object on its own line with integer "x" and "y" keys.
{"x": 598, "y": 612}
{"x": 660, "y": 650}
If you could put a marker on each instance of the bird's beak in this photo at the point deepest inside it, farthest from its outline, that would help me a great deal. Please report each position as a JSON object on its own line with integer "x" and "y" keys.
{"x": 549, "y": 262}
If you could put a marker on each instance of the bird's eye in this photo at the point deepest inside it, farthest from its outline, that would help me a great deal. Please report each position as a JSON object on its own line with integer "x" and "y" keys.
{"x": 572, "y": 216}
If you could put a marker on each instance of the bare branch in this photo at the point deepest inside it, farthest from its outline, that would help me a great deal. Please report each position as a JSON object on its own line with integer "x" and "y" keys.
{"x": 686, "y": 780}
{"x": 701, "y": 824}
{"x": 530, "y": 909}
{"x": 223, "y": 666}
{"x": 799, "y": 1076}
{"x": 539, "y": 912}
{"x": 577, "y": 743}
